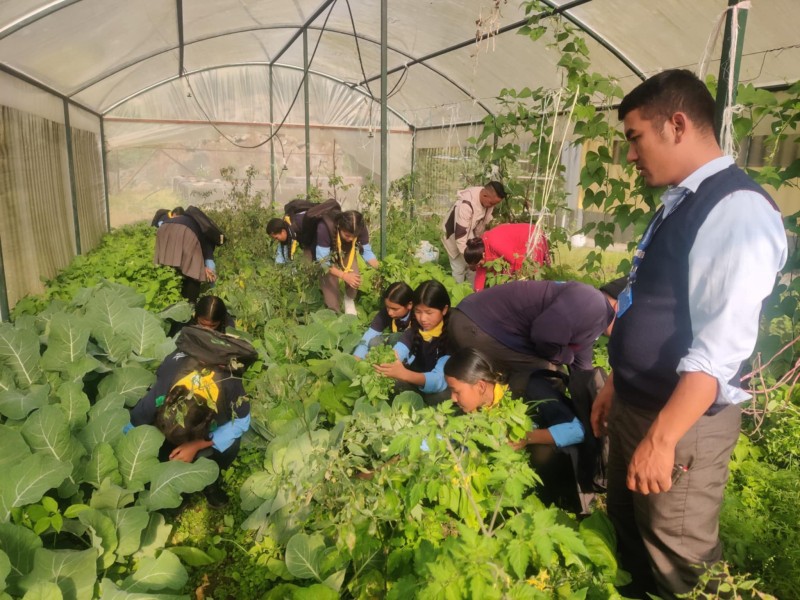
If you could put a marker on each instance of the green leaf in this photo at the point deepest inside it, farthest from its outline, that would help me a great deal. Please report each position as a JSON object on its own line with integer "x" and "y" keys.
{"x": 66, "y": 346}
{"x": 303, "y": 556}
{"x": 19, "y": 351}
{"x": 137, "y": 453}
{"x": 74, "y": 572}
{"x": 106, "y": 309}
{"x": 194, "y": 557}
{"x": 518, "y": 556}
{"x": 28, "y": 480}
{"x": 130, "y": 523}
{"x": 171, "y": 479}
{"x": 5, "y": 569}
{"x": 144, "y": 332}
{"x": 104, "y": 427}
{"x": 111, "y": 496}
{"x": 43, "y": 590}
{"x": 154, "y": 536}
{"x": 18, "y": 404}
{"x": 131, "y": 382}
{"x": 101, "y": 465}
{"x": 19, "y": 544}
{"x": 103, "y": 532}
{"x": 180, "y": 312}
{"x": 74, "y": 402}
{"x": 109, "y": 591}
{"x": 47, "y": 431}
{"x": 155, "y": 574}
{"x": 116, "y": 347}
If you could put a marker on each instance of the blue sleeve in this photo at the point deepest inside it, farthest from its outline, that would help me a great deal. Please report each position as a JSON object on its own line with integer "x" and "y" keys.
{"x": 363, "y": 346}
{"x": 280, "y": 257}
{"x": 567, "y": 434}
{"x": 211, "y": 264}
{"x": 367, "y": 253}
{"x": 434, "y": 380}
{"x": 323, "y": 255}
{"x": 403, "y": 346}
{"x": 224, "y": 436}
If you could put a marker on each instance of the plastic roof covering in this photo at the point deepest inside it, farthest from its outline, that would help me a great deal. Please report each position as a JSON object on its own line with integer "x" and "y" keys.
{"x": 103, "y": 53}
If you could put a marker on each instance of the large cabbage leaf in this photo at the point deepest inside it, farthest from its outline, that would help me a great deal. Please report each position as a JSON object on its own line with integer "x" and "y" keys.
{"x": 20, "y": 545}
{"x": 18, "y": 404}
{"x": 28, "y": 480}
{"x": 47, "y": 431}
{"x": 66, "y": 347}
{"x": 73, "y": 571}
{"x": 171, "y": 479}
{"x": 137, "y": 453}
{"x": 19, "y": 351}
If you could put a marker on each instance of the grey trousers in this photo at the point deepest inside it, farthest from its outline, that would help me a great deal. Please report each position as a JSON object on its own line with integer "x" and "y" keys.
{"x": 330, "y": 289}
{"x": 666, "y": 540}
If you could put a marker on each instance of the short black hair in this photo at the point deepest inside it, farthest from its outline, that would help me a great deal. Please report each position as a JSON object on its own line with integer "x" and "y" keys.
{"x": 275, "y": 226}
{"x": 671, "y": 91}
{"x": 498, "y": 189}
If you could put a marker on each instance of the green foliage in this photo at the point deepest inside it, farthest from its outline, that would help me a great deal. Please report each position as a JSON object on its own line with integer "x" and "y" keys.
{"x": 124, "y": 257}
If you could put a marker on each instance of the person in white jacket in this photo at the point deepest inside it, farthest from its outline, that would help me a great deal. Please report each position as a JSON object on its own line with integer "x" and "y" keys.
{"x": 467, "y": 219}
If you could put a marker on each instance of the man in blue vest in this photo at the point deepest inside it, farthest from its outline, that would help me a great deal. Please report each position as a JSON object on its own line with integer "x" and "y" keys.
{"x": 685, "y": 323}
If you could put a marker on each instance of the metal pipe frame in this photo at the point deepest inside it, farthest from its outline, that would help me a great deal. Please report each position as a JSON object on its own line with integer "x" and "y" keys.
{"x": 384, "y": 121}
{"x": 306, "y": 105}
{"x": 73, "y": 189}
{"x": 104, "y": 162}
{"x": 729, "y": 73}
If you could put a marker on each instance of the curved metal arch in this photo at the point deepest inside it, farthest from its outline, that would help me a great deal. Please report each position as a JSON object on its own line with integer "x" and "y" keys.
{"x": 132, "y": 63}
{"x": 34, "y": 16}
{"x": 600, "y": 40}
{"x": 248, "y": 64}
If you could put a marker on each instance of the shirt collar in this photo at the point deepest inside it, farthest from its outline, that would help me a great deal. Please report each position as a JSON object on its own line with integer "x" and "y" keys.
{"x": 673, "y": 196}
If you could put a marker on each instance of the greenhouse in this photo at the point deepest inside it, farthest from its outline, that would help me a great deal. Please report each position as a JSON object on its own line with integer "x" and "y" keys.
{"x": 345, "y": 480}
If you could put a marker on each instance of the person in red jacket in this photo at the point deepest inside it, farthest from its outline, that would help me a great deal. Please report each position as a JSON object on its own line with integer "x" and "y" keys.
{"x": 513, "y": 242}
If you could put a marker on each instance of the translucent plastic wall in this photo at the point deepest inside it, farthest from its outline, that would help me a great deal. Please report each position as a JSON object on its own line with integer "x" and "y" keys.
{"x": 170, "y": 144}
{"x": 38, "y": 217}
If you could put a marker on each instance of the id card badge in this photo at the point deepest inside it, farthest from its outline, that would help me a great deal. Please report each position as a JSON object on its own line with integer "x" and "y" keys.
{"x": 624, "y": 300}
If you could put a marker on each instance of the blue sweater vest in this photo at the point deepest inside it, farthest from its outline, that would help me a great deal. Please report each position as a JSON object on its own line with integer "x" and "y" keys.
{"x": 655, "y": 333}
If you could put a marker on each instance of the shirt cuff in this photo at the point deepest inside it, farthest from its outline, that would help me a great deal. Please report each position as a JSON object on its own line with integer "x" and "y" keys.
{"x": 224, "y": 436}
{"x": 434, "y": 380}
{"x": 363, "y": 346}
{"x": 211, "y": 264}
{"x": 567, "y": 434}
{"x": 402, "y": 351}
{"x": 368, "y": 253}
{"x": 726, "y": 393}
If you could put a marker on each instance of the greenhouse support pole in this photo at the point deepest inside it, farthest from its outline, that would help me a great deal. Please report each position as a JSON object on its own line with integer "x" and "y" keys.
{"x": 104, "y": 163}
{"x": 271, "y": 139}
{"x": 4, "y": 310}
{"x": 729, "y": 73}
{"x": 73, "y": 189}
{"x": 413, "y": 166}
{"x": 305, "y": 102}
{"x": 384, "y": 120}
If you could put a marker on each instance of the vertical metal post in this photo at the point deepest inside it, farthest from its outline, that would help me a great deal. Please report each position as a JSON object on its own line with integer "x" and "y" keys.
{"x": 411, "y": 190}
{"x": 729, "y": 72}
{"x": 305, "y": 102}
{"x": 71, "y": 174}
{"x": 271, "y": 140}
{"x": 104, "y": 163}
{"x": 384, "y": 119}
{"x": 4, "y": 310}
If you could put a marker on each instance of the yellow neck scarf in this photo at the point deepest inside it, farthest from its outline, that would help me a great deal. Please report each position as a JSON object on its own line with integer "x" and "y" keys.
{"x": 349, "y": 267}
{"x": 293, "y": 244}
{"x": 432, "y": 333}
{"x": 499, "y": 391}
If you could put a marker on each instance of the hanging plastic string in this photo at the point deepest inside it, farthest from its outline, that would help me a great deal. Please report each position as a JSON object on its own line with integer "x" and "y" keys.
{"x": 726, "y": 131}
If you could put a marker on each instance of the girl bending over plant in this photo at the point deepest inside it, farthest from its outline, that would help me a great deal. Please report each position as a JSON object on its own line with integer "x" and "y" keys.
{"x": 422, "y": 350}
{"x": 395, "y": 316}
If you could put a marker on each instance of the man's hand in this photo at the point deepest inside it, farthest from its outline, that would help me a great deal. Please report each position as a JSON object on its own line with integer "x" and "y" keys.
{"x": 353, "y": 280}
{"x": 650, "y": 469}
{"x": 601, "y": 407}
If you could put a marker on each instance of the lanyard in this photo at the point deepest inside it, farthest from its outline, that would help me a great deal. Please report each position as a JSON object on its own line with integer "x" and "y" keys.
{"x": 625, "y": 299}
